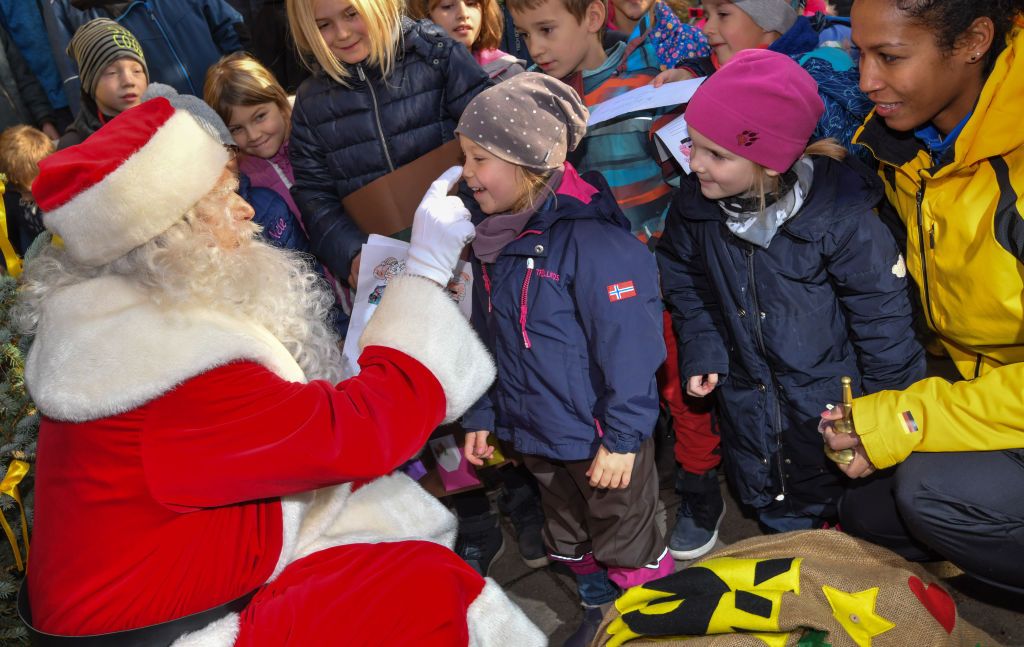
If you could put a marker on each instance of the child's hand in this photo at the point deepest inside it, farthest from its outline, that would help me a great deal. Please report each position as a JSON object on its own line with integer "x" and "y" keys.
{"x": 476, "y": 449}
{"x": 700, "y": 385}
{"x": 353, "y": 275}
{"x": 609, "y": 470}
{"x": 671, "y": 76}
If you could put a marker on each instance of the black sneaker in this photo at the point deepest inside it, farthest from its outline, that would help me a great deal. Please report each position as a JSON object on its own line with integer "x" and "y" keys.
{"x": 700, "y": 513}
{"x": 480, "y": 541}
{"x": 584, "y": 634}
{"x": 522, "y": 506}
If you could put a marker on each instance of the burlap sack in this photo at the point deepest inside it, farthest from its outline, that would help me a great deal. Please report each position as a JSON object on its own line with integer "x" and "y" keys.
{"x": 810, "y": 589}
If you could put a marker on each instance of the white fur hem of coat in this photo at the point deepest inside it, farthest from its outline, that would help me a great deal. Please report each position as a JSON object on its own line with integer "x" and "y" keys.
{"x": 418, "y": 318}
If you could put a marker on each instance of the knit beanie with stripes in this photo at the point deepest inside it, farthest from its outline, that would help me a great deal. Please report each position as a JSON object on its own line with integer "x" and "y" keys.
{"x": 97, "y": 44}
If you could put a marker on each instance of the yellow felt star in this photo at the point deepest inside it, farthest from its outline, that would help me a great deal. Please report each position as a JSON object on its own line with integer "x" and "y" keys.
{"x": 856, "y": 613}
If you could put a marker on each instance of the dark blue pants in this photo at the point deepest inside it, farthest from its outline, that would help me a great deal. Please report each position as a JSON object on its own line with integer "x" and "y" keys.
{"x": 966, "y": 507}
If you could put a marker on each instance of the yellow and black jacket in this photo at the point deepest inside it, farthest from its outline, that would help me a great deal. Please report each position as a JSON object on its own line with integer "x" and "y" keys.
{"x": 965, "y": 249}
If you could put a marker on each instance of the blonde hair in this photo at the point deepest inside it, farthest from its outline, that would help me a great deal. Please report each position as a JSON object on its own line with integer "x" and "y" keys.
{"x": 21, "y": 150}
{"x": 492, "y": 22}
{"x": 383, "y": 19}
{"x": 765, "y": 184}
{"x": 530, "y": 184}
{"x": 240, "y": 80}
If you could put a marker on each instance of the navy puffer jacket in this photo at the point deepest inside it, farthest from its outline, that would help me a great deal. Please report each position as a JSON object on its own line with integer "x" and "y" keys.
{"x": 572, "y": 314}
{"x": 345, "y": 137}
{"x": 781, "y": 325}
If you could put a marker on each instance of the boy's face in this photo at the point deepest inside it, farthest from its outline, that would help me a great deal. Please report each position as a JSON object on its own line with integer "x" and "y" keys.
{"x": 729, "y": 30}
{"x": 558, "y": 43}
{"x": 120, "y": 86}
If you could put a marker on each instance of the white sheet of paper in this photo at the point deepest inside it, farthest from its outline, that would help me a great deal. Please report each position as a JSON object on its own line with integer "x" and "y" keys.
{"x": 644, "y": 98}
{"x": 675, "y": 136}
{"x": 382, "y": 259}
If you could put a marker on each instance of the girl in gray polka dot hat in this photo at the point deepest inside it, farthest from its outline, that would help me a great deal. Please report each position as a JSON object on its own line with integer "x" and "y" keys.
{"x": 568, "y": 301}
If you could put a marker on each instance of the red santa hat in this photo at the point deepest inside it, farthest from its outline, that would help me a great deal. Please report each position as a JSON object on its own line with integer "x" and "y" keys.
{"x": 128, "y": 182}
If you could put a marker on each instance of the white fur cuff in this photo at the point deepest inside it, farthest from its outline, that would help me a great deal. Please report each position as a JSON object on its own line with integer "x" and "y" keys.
{"x": 416, "y": 317}
{"x": 496, "y": 621}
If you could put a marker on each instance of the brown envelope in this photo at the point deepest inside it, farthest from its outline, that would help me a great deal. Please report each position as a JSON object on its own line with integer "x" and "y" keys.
{"x": 386, "y": 205}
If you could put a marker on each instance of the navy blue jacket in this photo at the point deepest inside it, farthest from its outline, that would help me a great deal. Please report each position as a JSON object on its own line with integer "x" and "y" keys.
{"x": 572, "y": 314}
{"x": 180, "y": 38}
{"x": 827, "y": 298}
{"x": 345, "y": 137}
{"x": 280, "y": 226}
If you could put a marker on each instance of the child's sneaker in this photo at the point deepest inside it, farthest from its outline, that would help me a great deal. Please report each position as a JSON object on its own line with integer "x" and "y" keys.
{"x": 700, "y": 513}
{"x": 522, "y": 506}
{"x": 480, "y": 541}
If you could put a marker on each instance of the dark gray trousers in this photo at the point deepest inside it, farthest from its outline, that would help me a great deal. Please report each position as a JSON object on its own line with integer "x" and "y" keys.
{"x": 966, "y": 507}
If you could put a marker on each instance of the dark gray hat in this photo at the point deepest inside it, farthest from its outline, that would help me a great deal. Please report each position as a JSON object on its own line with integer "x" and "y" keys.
{"x": 97, "y": 44}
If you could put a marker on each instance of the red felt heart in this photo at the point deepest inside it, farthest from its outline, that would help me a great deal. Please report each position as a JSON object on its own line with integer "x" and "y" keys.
{"x": 937, "y": 601}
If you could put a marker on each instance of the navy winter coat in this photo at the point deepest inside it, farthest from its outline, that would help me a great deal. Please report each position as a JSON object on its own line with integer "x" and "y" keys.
{"x": 781, "y": 325}
{"x": 572, "y": 314}
{"x": 345, "y": 137}
{"x": 180, "y": 38}
{"x": 280, "y": 226}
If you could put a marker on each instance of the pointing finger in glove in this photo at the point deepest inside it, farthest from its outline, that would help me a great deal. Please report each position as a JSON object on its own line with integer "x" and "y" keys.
{"x": 440, "y": 229}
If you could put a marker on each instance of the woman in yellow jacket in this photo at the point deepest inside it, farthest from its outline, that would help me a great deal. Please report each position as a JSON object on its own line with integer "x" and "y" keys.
{"x": 947, "y": 80}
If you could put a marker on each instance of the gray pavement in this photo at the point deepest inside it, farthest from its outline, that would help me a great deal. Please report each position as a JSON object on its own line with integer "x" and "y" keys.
{"x": 548, "y": 595}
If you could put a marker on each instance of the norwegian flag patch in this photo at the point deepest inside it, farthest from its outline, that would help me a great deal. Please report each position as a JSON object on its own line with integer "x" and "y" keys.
{"x": 620, "y": 291}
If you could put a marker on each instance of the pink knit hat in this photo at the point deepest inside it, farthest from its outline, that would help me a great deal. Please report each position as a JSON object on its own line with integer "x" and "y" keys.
{"x": 761, "y": 106}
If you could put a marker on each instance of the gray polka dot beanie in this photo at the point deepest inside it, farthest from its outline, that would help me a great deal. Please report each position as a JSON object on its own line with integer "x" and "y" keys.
{"x": 532, "y": 120}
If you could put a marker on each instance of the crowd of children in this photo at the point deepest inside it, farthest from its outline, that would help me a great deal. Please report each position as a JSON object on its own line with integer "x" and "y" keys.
{"x": 612, "y": 287}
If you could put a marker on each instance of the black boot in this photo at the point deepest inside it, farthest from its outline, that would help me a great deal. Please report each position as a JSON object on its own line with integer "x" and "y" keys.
{"x": 584, "y": 634}
{"x": 521, "y": 504}
{"x": 480, "y": 541}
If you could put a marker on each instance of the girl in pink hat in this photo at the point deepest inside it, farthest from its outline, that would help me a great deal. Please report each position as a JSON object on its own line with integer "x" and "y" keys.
{"x": 781, "y": 278}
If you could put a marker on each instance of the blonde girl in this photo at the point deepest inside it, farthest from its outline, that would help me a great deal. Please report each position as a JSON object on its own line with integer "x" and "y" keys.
{"x": 567, "y": 300}
{"x": 385, "y": 91}
{"x": 781, "y": 279}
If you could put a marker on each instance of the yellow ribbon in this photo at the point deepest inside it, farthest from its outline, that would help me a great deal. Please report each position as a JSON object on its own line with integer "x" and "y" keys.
{"x": 11, "y": 261}
{"x": 16, "y": 471}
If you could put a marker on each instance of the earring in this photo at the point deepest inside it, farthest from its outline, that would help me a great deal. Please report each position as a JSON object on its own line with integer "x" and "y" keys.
{"x": 975, "y": 56}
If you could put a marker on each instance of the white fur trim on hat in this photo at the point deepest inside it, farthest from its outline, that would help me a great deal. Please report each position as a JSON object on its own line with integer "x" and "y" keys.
{"x": 418, "y": 318}
{"x": 147, "y": 194}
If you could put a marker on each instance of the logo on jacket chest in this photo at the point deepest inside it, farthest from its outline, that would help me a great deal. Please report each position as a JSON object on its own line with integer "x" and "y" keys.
{"x": 548, "y": 274}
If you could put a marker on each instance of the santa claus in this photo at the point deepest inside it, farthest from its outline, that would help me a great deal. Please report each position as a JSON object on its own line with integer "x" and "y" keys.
{"x": 201, "y": 478}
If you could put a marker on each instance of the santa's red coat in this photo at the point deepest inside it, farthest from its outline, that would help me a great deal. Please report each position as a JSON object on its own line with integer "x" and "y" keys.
{"x": 175, "y": 505}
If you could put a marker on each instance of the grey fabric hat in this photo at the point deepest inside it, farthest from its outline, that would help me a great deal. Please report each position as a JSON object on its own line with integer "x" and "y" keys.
{"x": 203, "y": 113}
{"x": 770, "y": 15}
{"x": 532, "y": 120}
{"x": 97, "y": 44}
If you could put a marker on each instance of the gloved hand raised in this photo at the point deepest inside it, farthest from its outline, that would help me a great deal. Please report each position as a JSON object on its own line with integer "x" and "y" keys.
{"x": 440, "y": 229}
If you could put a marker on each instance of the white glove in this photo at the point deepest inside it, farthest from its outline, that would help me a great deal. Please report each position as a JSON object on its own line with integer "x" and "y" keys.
{"x": 440, "y": 229}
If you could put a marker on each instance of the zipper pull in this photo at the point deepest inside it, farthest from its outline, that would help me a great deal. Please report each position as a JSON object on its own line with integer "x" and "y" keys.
{"x": 529, "y": 263}
{"x": 362, "y": 75}
{"x": 931, "y": 236}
